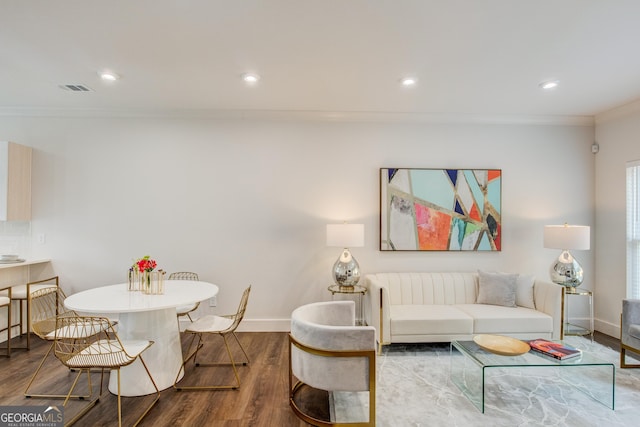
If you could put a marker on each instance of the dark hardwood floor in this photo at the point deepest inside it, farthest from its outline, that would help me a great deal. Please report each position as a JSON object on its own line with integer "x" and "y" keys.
{"x": 261, "y": 401}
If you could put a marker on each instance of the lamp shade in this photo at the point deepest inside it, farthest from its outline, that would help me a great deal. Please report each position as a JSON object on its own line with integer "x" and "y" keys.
{"x": 345, "y": 235}
{"x": 567, "y": 237}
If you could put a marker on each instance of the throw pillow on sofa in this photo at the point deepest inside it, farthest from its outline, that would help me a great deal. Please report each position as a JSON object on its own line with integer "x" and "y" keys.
{"x": 497, "y": 288}
{"x": 524, "y": 291}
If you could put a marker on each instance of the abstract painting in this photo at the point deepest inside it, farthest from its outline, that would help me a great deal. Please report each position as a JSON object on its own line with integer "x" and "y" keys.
{"x": 440, "y": 209}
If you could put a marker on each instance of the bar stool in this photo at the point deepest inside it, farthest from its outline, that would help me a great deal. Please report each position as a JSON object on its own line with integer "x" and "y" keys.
{"x": 5, "y": 302}
{"x": 22, "y": 294}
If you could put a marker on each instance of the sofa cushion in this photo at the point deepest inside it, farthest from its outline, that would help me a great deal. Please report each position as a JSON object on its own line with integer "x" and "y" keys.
{"x": 492, "y": 319}
{"x": 429, "y": 319}
{"x": 497, "y": 288}
{"x": 524, "y": 291}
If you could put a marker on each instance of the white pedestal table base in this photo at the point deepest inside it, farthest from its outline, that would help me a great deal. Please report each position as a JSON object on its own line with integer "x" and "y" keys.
{"x": 163, "y": 358}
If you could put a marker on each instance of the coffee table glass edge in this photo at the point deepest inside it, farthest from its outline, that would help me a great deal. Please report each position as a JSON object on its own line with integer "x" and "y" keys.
{"x": 470, "y": 364}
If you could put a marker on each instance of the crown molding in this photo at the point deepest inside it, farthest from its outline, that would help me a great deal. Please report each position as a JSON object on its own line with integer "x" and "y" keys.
{"x": 300, "y": 115}
{"x": 618, "y": 112}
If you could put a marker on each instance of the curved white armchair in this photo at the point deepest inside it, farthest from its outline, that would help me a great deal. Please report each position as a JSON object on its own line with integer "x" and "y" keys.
{"x": 328, "y": 352}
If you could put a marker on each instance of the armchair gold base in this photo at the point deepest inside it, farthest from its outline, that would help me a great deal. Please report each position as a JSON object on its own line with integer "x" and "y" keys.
{"x": 623, "y": 363}
{"x": 294, "y": 388}
{"x": 316, "y": 421}
{"x": 630, "y": 315}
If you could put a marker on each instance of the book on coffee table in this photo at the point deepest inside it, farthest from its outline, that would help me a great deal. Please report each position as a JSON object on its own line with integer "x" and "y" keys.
{"x": 557, "y": 350}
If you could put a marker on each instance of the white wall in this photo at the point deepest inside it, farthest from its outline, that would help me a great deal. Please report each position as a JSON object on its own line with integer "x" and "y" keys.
{"x": 246, "y": 201}
{"x": 618, "y": 134}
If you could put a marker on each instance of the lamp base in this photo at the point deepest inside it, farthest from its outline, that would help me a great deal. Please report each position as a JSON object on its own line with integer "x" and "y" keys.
{"x": 566, "y": 271}
{"x": 346, "y": 271}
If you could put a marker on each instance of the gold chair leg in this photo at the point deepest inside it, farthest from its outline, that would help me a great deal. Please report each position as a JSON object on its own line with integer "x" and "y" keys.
{"x": 190, "y": 354}
{"x": 154, "y": 386}
{"x": 149, "y": 407}
{"x": 89, "y": 405}
{"x": 242, "y": 348}
{"x": 198, "y": 347}
{"x": 119, "y": 401}
{"x": 48, "y": 396}
{"x": 232, "y": 364}
{"x": 22, "y": 326}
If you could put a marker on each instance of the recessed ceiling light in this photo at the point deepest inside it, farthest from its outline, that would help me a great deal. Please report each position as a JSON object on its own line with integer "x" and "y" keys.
{"x": 250, "y": 78}
{"x": 408, "y": 81}
{"x": 109, "y": 76}
{"x": 549, "y": 84}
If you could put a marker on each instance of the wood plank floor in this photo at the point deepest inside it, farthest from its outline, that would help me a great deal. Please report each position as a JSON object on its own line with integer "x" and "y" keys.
{"x": 261, "y": 401}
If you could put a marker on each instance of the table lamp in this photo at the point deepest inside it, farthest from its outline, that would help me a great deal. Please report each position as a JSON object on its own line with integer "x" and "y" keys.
{"x": 346, "y": 271}
{"x": 565, "y": 270}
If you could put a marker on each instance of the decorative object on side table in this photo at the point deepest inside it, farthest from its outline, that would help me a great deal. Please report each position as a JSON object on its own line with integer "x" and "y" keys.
{"x": 565, "y": 270}
{"x": 142, "y": 276}
{"x": 502, "y": 345}
{"x": 346, "y": 271}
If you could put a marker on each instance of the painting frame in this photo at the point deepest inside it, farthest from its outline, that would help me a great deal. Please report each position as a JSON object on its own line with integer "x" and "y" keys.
{"x": 431, "y": 209}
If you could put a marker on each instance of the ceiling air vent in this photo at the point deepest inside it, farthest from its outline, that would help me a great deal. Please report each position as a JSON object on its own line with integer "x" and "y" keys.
{"x": 76, "y": 88}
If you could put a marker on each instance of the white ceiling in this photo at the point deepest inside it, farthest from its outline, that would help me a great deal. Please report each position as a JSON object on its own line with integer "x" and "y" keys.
{"x": 472, "y": 57}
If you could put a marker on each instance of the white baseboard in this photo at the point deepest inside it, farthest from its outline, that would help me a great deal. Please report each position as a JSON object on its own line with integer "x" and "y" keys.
{"x": 611, "y": 329}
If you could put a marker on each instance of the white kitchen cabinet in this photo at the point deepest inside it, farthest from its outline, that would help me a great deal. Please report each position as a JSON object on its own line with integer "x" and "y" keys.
{"x": 15, "y": 182}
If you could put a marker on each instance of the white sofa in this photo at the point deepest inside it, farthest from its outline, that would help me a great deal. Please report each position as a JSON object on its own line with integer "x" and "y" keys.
{"x": 441, "y": 307}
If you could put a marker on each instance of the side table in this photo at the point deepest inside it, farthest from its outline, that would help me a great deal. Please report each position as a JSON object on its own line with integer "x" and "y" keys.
{"x": 568, "y": 327}
{"x": 355, "y": 291}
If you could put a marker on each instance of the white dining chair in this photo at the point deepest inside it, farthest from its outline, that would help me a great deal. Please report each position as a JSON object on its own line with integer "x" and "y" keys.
{"x": 215, "y": 325}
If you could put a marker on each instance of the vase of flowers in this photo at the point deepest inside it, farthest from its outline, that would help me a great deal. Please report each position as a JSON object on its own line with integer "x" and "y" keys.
{"x": 140, "y": 274}
{"x": 134, "y": 279}
{"x": 156, "y": 282}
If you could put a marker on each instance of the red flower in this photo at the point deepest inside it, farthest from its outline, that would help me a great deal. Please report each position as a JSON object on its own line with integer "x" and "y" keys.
{"x": 146, "y": 264}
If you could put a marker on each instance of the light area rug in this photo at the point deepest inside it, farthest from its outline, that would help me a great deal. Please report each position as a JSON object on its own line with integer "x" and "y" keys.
{"x": 414, "y": 389}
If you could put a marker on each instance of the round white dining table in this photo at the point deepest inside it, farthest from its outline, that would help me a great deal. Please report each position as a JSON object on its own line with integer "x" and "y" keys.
{"x": 145, "y": 317}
